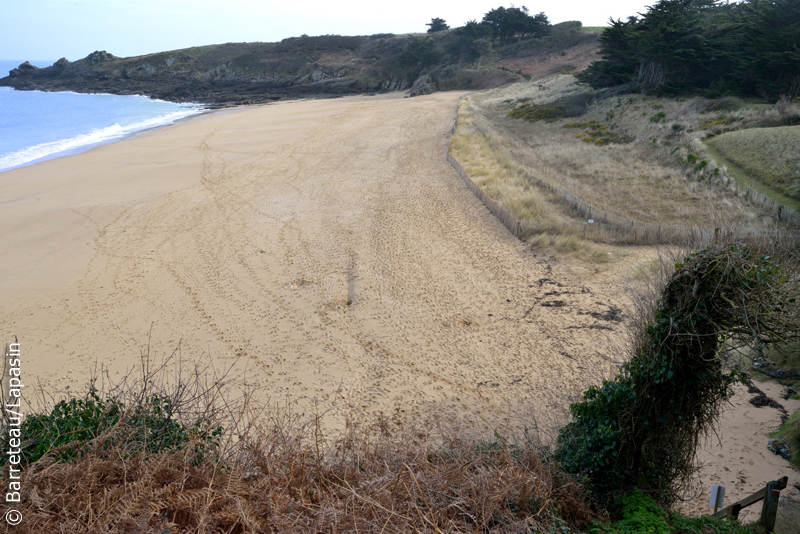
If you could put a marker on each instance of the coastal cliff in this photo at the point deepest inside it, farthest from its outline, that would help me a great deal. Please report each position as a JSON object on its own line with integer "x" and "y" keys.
{"x": 324, "y": 66}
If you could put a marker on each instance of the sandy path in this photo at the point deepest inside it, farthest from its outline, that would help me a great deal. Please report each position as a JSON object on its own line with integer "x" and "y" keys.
{"x": 738, "y": 458}
{"x": 330, "y": 238}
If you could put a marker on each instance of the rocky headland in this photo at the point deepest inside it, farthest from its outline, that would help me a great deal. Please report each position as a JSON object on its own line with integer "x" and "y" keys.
{"x": 301, "y": 67}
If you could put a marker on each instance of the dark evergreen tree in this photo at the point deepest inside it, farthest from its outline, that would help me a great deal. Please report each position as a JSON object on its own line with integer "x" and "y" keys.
{"x": 673, "y": 46}
{"x": 437, "y": 25}
{"x": 771, "y": 58}
{"x": 515, "y": 22}
{"x": 682, "y": 46}
{"x": 467, "y": 45}
{"x": 418, "y": 54}
{"x": 620, "y": 58}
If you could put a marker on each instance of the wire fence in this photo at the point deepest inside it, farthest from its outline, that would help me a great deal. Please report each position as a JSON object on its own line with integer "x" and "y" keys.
{"x": 607, "y": 227}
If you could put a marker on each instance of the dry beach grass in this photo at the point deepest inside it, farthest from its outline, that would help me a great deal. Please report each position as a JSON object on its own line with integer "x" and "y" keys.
{"x": 640, "y": 179}
{"x": 272, "y": 470}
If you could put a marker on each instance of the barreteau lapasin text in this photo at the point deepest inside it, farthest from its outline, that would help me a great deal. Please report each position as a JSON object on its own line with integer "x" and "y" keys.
{"x": 13, "y": 418}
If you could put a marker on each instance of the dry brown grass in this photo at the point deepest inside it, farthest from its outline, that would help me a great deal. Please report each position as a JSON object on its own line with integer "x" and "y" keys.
{"x": 275, "y": 471}
{"x": 576, "y": 57}
{"x": 641, "y": 180}
{"x": 662, "y": 178}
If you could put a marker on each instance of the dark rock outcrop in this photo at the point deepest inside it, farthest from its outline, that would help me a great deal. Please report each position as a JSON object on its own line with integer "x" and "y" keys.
{"x": 250, "y": 73}
{"x": 779, "y": 447}
{"x": 99, "y": 56}
{"x": 23, "y": 70}
{"x": 223, "y": 75}
{"x": 422, "y": 86}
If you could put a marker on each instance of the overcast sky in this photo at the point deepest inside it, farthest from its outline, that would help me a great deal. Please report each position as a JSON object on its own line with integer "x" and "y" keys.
{"x": 50, "y": 29}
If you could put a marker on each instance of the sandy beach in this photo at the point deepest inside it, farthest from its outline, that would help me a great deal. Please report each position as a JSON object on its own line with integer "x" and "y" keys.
{"x": 325, "y": 249}
{"x": 329, "y": 238}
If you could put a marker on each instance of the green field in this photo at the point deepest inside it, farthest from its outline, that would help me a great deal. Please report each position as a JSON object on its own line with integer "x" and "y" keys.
{"x": 768, "y": 155}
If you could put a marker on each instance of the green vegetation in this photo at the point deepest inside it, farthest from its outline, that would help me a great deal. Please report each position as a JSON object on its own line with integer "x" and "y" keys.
{"x": 641, "y": 514}
{"x": 510, "y": 23}
{"x": 684, "y": 46}
{"x": 738, "y": 174}
{"x": 770, "y": 155}
{"x": 533, "y": 113}
{"x": 642, "y": 429}
{"x": 418, "y": 54}
{"x": 437, "y": 25}
{"x": 599, "y": 134}
{"x": 71, "y": 424}
{"x": 790, "y": 432}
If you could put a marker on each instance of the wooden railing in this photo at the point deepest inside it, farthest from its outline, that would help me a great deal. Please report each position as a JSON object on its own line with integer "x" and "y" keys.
{"x": 769, "y": 510}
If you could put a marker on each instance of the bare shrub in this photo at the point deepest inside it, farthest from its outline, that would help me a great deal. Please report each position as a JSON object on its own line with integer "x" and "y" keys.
{"x": 782, "y": 107}
{"x": 726, "y": 103}
{"x": 275, "y": 471}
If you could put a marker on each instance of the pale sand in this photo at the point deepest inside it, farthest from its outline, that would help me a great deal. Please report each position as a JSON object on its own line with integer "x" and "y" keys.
{"x": 255, "y": 228}
{"x": 738, "y": 458}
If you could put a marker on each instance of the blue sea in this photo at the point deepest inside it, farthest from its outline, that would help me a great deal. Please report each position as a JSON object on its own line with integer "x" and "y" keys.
{"x": 35, "y": 125}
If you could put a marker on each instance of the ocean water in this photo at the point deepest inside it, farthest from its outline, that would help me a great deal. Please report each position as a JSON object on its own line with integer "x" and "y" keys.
{"x": 35, "y": 125}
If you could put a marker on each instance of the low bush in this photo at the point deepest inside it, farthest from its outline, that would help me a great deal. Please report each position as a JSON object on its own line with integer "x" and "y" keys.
{"x": 599, "y": 134}
{"x": 642, "y": 429}
{"x": 711, "y": 123}
{"x": 70, "y": 427}
{"x": 533, "y": 112}
{"x": 727, "y": 103}
{"x": 641, "y": 515}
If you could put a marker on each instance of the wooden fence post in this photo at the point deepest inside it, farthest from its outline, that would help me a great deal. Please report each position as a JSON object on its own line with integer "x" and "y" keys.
{"x": 769, "y": 510}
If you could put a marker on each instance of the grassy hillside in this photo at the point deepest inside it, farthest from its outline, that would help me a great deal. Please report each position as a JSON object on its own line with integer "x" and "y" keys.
{"x": 770, "y": 155}
{"x": 631, "y": 156}
{"x": 327, "y": 65}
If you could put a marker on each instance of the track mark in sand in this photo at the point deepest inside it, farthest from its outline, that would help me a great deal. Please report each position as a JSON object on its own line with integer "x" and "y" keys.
{"x": 351, "y": 278}
{"x": 350, "y": 261}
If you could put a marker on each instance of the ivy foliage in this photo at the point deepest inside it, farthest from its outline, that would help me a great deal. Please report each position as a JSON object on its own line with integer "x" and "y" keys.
{"x": 641, "y": 515}
{"x": 642, "y": 429}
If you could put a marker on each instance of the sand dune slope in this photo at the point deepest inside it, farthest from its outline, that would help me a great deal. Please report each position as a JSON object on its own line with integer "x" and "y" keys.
{"x": 330, "y": 239}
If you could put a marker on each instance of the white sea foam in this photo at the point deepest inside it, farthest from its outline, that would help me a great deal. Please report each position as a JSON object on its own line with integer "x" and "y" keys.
{"x": 99, "y": 136}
